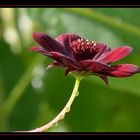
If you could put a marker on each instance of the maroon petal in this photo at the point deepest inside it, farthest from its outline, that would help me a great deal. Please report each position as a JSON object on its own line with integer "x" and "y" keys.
{"x": 40, "y": 50}
{"x": 65, "y": 60}
{"x": 123, "y": 70}
{"x": 48, "y": 43}
{"x": 94, "y": 66}
{"x": 103, "y": 48}
{"x": 65, "y": 40}
{"x": 115, "y": 55}
{"x": 103, "y": 77}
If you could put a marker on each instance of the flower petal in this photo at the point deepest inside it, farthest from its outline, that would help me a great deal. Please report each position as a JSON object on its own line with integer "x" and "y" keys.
{"x": 48, "y": 43}
{"x": 65, "y": 60}
{"x": 103, "y": 77}
{"x": 103, "y": 48}
{"x": 60, "y": 58}
{"x": 65, "y": 40}
{"x": 115, "y": 54}
{"x": 123, "y": 70}
{"x": 40, "y": 50}
{"x": 94, "y": 66}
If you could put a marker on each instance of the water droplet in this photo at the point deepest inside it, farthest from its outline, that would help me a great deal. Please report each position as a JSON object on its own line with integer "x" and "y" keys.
{"x": 62, "y": 116}
{"x": 68, "y": 109}
{"x": 56, "y": 124}
{"x": 77, "y": 93}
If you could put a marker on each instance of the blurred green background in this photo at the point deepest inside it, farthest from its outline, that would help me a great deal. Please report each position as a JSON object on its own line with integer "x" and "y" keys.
{"x": 31, "y": 96}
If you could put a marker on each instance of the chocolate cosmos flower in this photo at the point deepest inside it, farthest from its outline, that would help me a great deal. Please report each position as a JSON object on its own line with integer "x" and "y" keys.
{"x": 74, "y": 53}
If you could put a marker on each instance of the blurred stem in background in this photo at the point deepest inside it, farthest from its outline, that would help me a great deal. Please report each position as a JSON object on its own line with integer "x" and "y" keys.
{"x": 12, "y": 34}
{"x": 104, "y": 19}
{"x": 21, "y": 85}
{"x": 9, "y": 33}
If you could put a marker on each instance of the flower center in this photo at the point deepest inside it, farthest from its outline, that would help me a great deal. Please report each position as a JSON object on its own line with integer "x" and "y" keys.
{"x": 84, "y": 49}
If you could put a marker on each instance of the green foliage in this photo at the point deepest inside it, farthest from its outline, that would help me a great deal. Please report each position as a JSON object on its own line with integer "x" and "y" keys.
{"x": 31, "y": 96}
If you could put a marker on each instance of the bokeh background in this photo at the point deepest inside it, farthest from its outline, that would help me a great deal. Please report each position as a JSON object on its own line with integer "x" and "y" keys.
{"x": 31, "y": 96}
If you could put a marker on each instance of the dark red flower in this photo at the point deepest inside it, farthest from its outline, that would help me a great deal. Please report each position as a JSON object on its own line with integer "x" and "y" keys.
{"x": 74, "y": 53}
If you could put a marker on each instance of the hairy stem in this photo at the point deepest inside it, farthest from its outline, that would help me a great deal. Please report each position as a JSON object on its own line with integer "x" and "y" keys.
{"x": 66, "y": 109}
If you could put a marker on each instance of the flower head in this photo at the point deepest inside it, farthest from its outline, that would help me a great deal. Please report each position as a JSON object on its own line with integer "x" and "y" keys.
{"x": 74, "y": 53}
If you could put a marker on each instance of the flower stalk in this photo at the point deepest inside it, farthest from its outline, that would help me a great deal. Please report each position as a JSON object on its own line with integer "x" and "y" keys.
{"x": 66, "y": 109}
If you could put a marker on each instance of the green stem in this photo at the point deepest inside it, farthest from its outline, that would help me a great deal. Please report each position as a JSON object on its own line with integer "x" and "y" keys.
{"x": 66, "y": 109}
{"x": 104, "y": 19}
